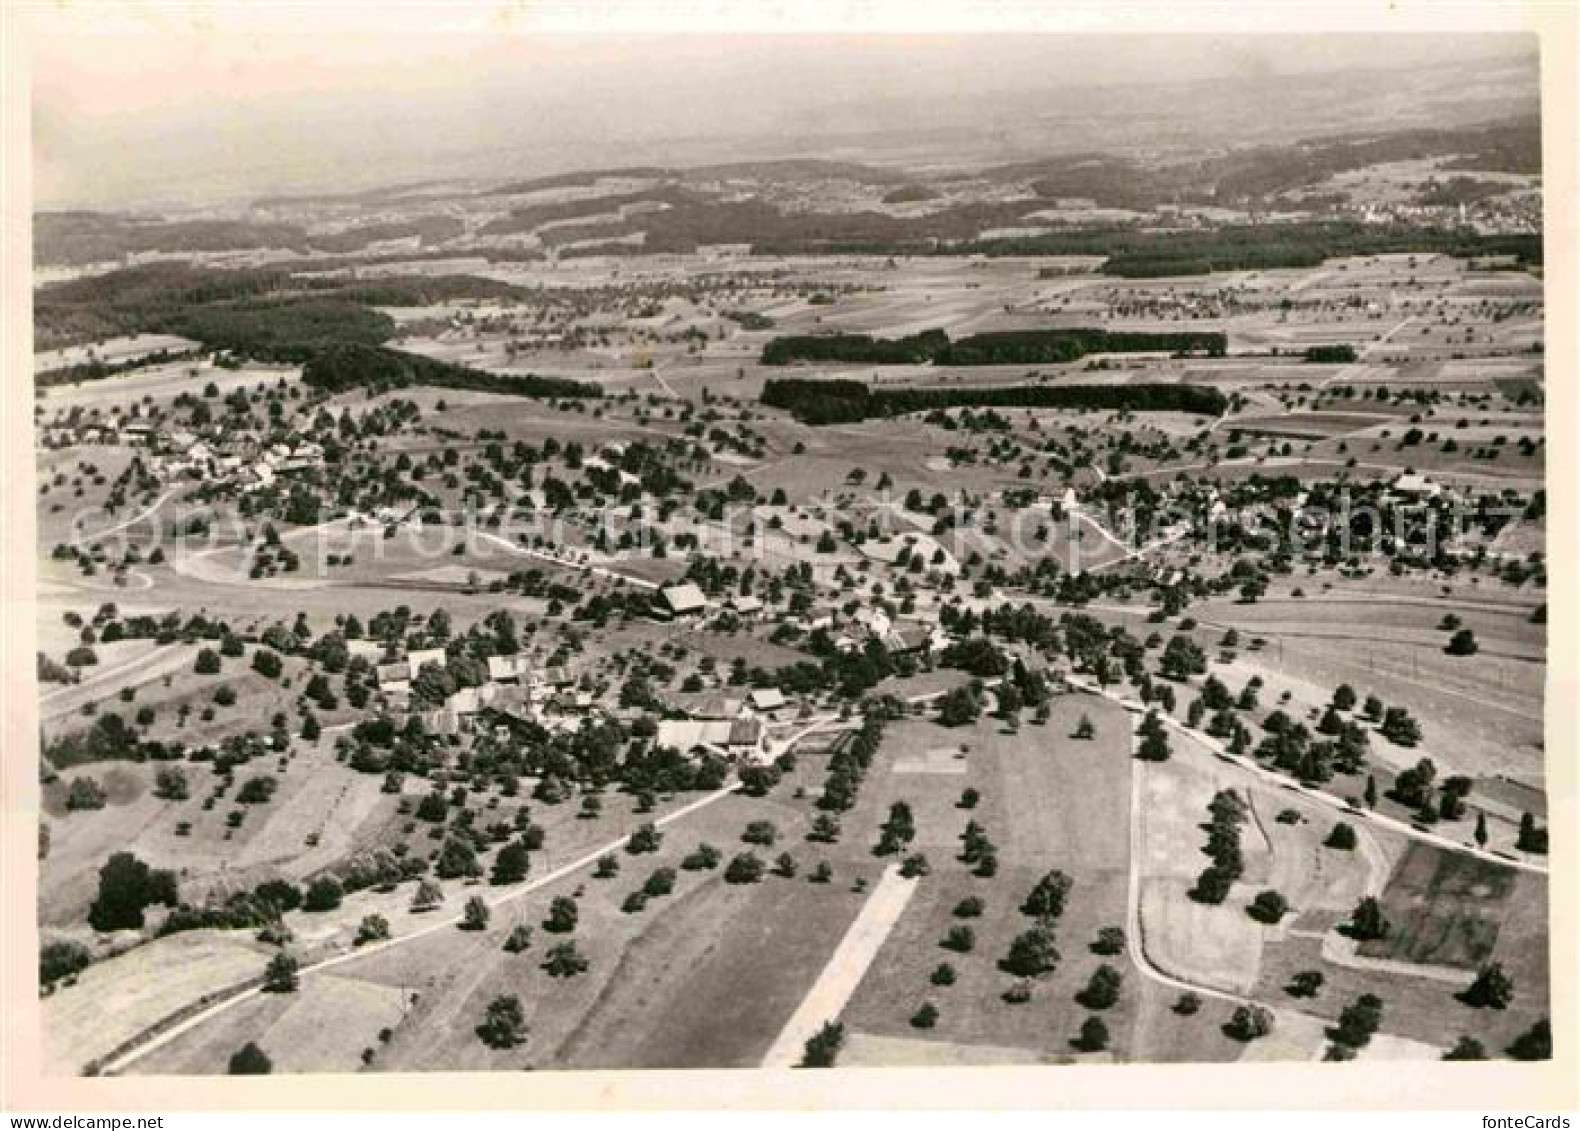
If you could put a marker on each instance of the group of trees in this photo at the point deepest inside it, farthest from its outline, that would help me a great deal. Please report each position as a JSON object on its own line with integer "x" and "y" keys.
{"x": 1033, "y": 952}
{"x": 127, "y": 887}
{"x": 845, "y": 402}
{"x": 1228, "y": 813}
{"x": 1001, "y": 347}
{"x": 341, "y": 366}
{"x": 849, "y": 762}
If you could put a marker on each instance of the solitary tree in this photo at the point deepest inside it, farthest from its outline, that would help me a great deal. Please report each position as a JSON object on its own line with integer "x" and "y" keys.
{"x": 1536, "y": 1043}
{"x": 564, "y": 961}
{"x": 250, "y": 1060}
{"x": 1102, "y": 990}
{"x": 427, "y": 896}
{"x": 822, "y": 1048}
{"x": 647, "y": 838}
{"x": 1031, "y": 954}
{"x": 1367, "y": 921}
{"x": 1342, "y": 837}
{"x": 1094, "y": 1035}
{"x": 511, "y": 864}
{"x": 1046, "y": 901}
{"x": 563, "y": 914}
{"x": 373, "y": 928}
{"x": 1250, "y": 1022}
{"x": 280, "y": 976}
{"x": 1306, "y": 983}
{"x": 744, "y": 869}
{"x": 474, "y": 917}
{"x": 960, "y": 939}
{"x": 1110, "y": 940}
{"x": 1268, "y": 907}
{"x": 1358, "y": 1021}
{"x": 1466, "y": 1048}
{"x": 504, "y": 1023}
{"x": 1492, "y": 989}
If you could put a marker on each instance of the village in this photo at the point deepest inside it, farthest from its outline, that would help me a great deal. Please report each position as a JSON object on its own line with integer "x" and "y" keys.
{"x": 1071, "y": 610}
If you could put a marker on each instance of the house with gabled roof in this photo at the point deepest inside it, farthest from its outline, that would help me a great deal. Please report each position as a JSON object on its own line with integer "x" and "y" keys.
{"x": 683, "y": 600}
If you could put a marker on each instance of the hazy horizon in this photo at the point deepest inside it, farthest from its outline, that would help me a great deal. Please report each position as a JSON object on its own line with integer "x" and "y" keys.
{"x": 131, "y": 121}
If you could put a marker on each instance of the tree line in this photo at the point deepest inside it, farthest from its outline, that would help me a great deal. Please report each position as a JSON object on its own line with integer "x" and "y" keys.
{"x": 1002, "y": 347}
{"x": 844, "y": 401}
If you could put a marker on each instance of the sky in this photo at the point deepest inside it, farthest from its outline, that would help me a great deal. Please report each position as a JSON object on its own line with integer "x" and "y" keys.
{"x": 158, "y": 107}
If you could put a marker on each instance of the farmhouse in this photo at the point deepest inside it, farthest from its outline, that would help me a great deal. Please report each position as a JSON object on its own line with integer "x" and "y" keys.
{"x": 370, "y": 650}
{"x": 394, "y": 677}
{"x": 684, "y": 600}
{"x": 509, "y": 669}
{"x": 908, "y": 639}
{"x": 1415, "y": 486}
{"x": 738, "y": 738}
{"x": 767, "y": 699}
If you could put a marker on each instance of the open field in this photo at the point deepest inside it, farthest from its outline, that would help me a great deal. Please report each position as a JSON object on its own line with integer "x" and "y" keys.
{"x": 1049, "y": 801}
{"x": 114, "y": 1001}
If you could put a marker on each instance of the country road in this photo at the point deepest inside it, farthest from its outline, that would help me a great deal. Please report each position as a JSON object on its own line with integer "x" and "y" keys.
{"x": 84, "y": 540}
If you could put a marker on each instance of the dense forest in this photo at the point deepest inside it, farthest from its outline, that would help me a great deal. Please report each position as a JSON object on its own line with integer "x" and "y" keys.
{"x": 1144, "y": 253}
{"x": 379, "y": 369}
{"x": 75, "y": 238}
{"x": 266, "y": 313}
{"x": 1005, "y": 347}
{"x": 860, "y": 348}
{"x": 843, "y": 402}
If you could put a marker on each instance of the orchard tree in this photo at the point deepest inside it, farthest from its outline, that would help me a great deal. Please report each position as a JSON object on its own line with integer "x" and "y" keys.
{"x": 280, "y": 976}
{"x": 1307, "y": 983}
{"x": 1536, "y": 1043}
{"x": 373, "y": 928}
{"x": 1492, "y": 988}
{"x": 1466, "y": 1048}
{"x": 504, "y": 1023}
{"x": 1094, "y": 1035}
{"x": 1102, "y": 990}
{"x": 822, "y": 1048}
{"x": 250, "y": 1060}
{"x": 563, "y": 915}
{"x": 1031, "y": 954}
{"x": 475, "y": 915}
{"x": 1046, "y": 901}
{"x": 1367, "y": 921}
{"x": 564, "y": 961}
{"x": 511, "y": 864}
{"x": 1250, "y": 1022}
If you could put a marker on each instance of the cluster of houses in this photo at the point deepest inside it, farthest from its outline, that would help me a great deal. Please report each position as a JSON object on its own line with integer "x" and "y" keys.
{"x": 250, "y": 464}
{"x": 182, "y": 454}
{"x": 518, "y": 687}
{"x": 734, "y": 726}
